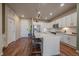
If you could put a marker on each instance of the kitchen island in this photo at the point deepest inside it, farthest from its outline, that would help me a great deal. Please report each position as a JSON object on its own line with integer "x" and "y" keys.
{"x": 51, "y": 43}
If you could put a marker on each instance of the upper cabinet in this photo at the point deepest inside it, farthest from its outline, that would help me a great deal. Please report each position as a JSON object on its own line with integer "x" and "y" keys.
{"x": 62, "y": 22}
{"x": 74, "y": 19}
{"x": 67, "y": 21}
{"x": 71, "y": 20}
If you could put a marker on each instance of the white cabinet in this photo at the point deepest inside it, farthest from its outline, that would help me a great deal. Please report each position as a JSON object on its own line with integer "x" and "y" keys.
{"x": 68, "y": 20}
{"x": 62, "y": 22}
{"x": 51, "y": 44}
{"x": 71, "y": 20}
{"x": 71, "y": 40}
{"x": 65, "y": 39}
{"x": 74, "y": 18}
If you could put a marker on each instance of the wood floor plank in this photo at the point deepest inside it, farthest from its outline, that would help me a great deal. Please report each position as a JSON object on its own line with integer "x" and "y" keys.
{"x": 19, "y": 47}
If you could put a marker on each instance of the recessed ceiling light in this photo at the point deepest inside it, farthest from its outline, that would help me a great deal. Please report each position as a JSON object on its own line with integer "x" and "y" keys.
{"x": 38, "y": 12}
{"x": 22, "y": 15}
{"x": 50, "y": 14}
{"x": 62, "y": 4}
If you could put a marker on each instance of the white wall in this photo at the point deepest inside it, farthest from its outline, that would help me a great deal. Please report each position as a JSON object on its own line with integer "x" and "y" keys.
{"x": 24, "y": 27}
{"x": 1, "y": 41}
{"x": 17, "y": 23}
{"x": 11, "y": 30}
{"x": 10, "y": 13}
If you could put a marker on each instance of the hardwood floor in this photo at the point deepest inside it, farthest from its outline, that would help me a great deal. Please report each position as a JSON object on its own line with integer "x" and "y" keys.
{"x": 23, "y": 47}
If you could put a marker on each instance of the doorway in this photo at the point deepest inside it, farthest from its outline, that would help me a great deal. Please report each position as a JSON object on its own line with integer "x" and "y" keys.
{"x": 24, "y": 28}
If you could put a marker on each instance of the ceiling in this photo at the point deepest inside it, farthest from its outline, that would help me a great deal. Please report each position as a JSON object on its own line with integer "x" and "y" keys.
{"x": 29, "y": 10}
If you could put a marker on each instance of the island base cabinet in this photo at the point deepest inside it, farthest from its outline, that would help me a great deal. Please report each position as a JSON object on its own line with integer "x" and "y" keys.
{"x": 51, "y": 45}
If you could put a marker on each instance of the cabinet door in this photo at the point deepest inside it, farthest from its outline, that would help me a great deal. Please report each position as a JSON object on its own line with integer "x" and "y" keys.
{"x": 68, "y": 20}
{"x": 65, "y": 39}
{"x": 74, "y": 19}
{"x": 62, "y": 22}
{"x": 73, "y": 41}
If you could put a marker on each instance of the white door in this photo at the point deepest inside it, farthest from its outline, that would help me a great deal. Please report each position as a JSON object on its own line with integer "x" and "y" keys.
{"x": 24, "y": 27}
{"x": 11, "y": 30}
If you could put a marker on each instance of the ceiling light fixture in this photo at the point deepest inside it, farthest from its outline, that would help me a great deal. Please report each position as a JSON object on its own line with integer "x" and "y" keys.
{"x": 50, "y": 14}
{"x": 38, "y": 12}
{"x": 62, "y": 4}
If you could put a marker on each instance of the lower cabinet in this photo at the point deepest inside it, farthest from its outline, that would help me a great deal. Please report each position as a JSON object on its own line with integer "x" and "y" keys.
{"x": 70, "y": 40}
{"x": 65, "y": 39}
